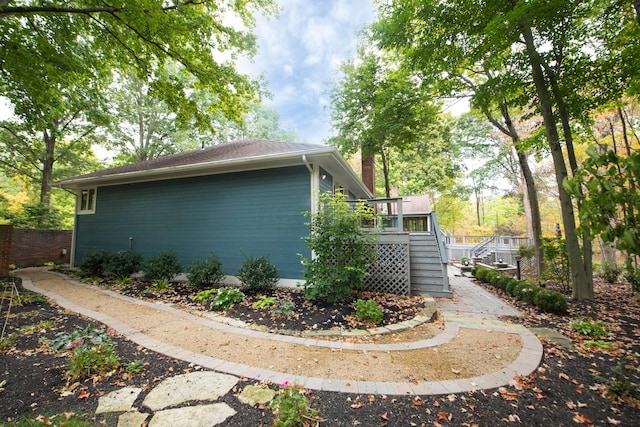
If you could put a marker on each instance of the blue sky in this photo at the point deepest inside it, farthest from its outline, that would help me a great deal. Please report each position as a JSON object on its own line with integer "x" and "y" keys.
{"x": 299, "y": 55}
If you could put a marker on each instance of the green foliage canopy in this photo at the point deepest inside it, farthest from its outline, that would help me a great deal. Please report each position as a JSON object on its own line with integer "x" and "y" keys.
{"x": 57, "y": 59}
{"x": 379, "y": 108}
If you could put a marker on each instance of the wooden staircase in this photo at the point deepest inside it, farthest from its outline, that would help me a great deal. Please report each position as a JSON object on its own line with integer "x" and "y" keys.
{"x": 428, "y": 267}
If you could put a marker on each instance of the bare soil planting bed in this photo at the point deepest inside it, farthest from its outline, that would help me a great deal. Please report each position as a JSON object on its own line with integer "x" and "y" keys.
{"x": 571, "y": 386}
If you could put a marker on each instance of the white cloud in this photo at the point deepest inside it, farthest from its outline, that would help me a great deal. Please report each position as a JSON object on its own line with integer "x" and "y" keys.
{"x": 299, "y": 53}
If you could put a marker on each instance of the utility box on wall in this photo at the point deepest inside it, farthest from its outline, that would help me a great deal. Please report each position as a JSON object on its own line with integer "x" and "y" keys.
{"x": 26, "y": 247}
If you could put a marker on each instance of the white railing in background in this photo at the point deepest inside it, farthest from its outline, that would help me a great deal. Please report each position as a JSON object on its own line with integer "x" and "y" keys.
{"x": 490, "y": 248}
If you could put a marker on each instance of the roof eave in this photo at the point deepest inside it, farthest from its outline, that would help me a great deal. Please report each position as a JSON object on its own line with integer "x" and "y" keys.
{"x": 198, "y": 169}
{"x": 328, "y": 157}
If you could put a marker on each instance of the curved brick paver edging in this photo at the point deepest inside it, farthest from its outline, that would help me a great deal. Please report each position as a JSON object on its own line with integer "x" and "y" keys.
{"x": 526, "y": 362}
{"x": 240, "y": 328}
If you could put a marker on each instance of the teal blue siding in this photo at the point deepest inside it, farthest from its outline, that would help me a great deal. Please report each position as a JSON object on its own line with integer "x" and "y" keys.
{"x": 326, "y": 184}
{"x": 238, "y": 215}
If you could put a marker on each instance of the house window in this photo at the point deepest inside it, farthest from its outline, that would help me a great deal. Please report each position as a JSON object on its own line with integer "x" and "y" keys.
{"x": 87, "y": 201}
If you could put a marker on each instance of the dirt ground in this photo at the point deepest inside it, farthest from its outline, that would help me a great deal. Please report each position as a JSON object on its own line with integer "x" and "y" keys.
{"x": 471, "y": 353}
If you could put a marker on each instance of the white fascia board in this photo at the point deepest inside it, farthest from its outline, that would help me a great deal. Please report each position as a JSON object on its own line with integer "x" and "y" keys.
{"x": 338, "y": 167}
{"x": 198, "y": 169}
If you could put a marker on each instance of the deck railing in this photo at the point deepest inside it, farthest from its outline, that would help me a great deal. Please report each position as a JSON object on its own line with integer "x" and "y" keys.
{"x": 491, "y": 248}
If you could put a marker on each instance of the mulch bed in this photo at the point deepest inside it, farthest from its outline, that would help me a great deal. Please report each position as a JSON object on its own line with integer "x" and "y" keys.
{"x": 307, "y": 315}
{"x": 568, "y": 389}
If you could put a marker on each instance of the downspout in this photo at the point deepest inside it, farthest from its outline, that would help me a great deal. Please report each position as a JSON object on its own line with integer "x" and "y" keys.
{"x": 313, "y": 184}
{"x": 306, "y": 163}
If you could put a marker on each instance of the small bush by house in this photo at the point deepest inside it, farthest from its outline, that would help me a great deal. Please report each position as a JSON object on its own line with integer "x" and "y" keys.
{"x": 161, "y": 266}
{"x": 258, "y": 274}
{"x": 205, "y": 273}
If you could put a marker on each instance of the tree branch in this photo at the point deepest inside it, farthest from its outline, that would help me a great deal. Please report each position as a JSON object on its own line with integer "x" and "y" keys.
{"x": 6, "y": 10}
{"x": 17, "y": 149}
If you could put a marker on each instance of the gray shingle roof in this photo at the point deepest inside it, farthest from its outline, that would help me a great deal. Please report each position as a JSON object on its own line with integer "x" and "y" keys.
{"x": 242, "y": 155}
{"x": 241, "y": 149}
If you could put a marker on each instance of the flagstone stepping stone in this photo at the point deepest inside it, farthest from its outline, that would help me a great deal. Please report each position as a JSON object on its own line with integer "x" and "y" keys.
{"x": 132, "y": 419}
{"x": 193, "y": 416}
{"x": 255, "y": 395}
{"x": 118, "y": 401}
{"x": 186, "y": 387}
{"x": 555, "y": 336}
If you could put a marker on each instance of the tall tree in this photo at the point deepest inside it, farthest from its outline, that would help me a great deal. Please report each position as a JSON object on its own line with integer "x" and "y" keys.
{"x": 430, "y": 166}
{"x": 447, "y": 44}
{"x": 142, "y": 127}
{"x": 378, "y": 108}
{"x": 70, "y": 47}
{"x": 532, "y": 54}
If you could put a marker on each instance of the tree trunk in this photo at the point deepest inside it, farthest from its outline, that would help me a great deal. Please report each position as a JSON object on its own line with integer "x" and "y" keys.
{"x": 587, "y": 246}
{"x": 608, "y": 252}
{"x": 532, "y": 197}
{"x": 530, "y": 187}
{"x": 47, "y": 168}
{"x": 530, "y": 194}
{"x": 580, "y": 285}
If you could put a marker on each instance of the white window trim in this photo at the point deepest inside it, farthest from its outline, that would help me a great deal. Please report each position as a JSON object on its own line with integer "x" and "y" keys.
{"x": 88, "y": 210}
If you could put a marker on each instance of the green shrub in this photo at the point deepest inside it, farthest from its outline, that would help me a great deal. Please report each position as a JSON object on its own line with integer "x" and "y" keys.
{"x": 205, "y": 297}
{"x": 343, "y": 251}
{"x": 589, "y": 327}
{"x": 122, "y": 264}
{"x": 92, "y": 351}
{"x": 94, "y": 264}
{"x": 529, "y": 294}
{"x": 205, "y": 273}
{"x": 161, "y": 266}
{"x": 503, "y": 281}
{"x": 264, "y": 301}
{"x": 481, "y": 273}
{"x": 610, "y": 272}
{"x": 491, "y": 275}
{"x": 551, "y": 301}
{"x": 135, "y": 367}
{"x": 519, "y": 288}
{"x": 632, "y": 276}
{"x": 368, "y": 311}
{"x": 283, "y": 307}
{"x": 158, "y": 285}
{"x": 511, "y": 285}
{"x": 493, "y": 278}
{"x": 258, "y": 274}
{"x": 556, "y": 261}
{"x": 291, "y": 407}
{"x": 619, "y": 382}
{"x": 100, "y": 358}
{"x": 219, "y": 299}
{"x": 225, "y": 298}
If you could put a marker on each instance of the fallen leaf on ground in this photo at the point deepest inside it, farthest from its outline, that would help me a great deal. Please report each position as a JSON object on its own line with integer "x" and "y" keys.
{"x": 582, "y": 419}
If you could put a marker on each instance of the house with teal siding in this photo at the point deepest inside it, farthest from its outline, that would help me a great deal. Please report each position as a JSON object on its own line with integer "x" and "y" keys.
{"x": 238, "y": 200}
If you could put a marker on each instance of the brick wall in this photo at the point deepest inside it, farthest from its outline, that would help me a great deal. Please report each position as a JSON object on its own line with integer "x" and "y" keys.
{"x": 5, "y": 249}
{"x": 25, "y": 247}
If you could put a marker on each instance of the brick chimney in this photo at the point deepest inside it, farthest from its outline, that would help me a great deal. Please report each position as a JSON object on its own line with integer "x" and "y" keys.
{"x": 368, "y": 174}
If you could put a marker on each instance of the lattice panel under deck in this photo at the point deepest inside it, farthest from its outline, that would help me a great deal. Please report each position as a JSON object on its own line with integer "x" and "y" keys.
{"x": 391, "y": 271}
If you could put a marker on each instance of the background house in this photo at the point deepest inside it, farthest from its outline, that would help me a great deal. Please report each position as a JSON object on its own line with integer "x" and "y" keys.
{"x": 240, "y": 199}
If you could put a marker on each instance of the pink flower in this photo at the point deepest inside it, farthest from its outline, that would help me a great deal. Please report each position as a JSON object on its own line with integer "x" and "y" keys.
{"x": 284, "y": 384}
